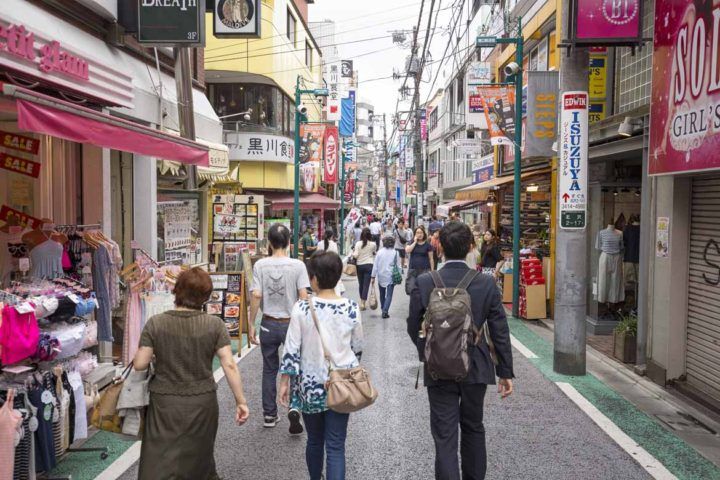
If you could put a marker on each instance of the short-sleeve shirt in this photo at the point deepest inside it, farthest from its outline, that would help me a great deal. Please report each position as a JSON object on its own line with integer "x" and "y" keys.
{"x": 278, "y": 279}
{"x": 184, "y": 344}
{"x": 419, "y": 258}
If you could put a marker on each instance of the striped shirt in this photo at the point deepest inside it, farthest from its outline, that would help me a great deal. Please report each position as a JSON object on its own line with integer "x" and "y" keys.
{"x": 609, "y": 241}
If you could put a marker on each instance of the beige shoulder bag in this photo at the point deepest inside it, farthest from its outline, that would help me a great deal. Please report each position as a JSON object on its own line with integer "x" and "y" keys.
{"x": 348, "y": 390}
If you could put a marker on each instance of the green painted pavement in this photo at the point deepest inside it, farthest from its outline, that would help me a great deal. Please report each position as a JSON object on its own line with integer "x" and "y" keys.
{"x": 88, "y": 465}
{"x": 677, "y": 456}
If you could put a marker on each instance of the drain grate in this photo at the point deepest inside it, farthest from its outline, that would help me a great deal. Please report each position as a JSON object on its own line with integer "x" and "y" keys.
{"x": 682, "y": 422}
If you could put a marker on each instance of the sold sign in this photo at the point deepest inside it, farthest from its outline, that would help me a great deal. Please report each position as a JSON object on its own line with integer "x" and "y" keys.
{"x": 19, "y": 165}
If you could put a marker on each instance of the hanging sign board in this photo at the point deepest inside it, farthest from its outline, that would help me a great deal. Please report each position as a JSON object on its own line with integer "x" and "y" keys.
{"x": 179, "y": 23}
{"x": 573, "y": 193}
{"x": 237, "y": 18}
{"x": 19, "y": 165}
{"x": 22, "y": 219}
{"x": 20, "y": 142}
{"x": 330, "y": 172}
{"x": 606, "y": 22}
{"x": 541, "y": 123}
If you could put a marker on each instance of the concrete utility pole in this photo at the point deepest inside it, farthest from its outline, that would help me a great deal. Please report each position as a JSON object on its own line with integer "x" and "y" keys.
{"x": 186, "y": 115}
{"x": 571, "y": 277}
{"x": 385, "y": 164}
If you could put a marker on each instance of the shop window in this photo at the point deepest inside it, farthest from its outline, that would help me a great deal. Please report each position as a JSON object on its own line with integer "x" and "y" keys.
{"x": 270, "y": 106}
{"x": 291, "y": 28}
{"x": 460, "y": 86}
{"x": 433, "y": 120}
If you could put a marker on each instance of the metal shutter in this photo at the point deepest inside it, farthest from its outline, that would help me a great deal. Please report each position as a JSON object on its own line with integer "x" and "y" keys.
{"x": 703, "y": 330}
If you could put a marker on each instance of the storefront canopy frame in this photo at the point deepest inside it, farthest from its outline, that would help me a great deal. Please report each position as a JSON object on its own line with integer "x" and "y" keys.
{"x": 498, "y": 181}
{"x": 308, "y": 201}
{"x": 446, "y": 208}
{"x": 50, "y": 116}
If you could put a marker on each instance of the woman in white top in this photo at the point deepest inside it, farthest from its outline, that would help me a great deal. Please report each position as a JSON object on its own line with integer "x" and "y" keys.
{"x": 364, "y": 253}
{"x": 386, "y": 259}
{"x": 330, "y": 245}
{"x": 340, "y": 328}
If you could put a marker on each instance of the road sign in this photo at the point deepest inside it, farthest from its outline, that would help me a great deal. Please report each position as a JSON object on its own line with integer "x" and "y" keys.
{"x": 573, "y": 192}
{"x": 485, "y": 42}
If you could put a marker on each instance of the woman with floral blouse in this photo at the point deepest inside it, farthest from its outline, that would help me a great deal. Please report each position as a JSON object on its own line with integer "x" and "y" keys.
{"x": 304, "y": 368}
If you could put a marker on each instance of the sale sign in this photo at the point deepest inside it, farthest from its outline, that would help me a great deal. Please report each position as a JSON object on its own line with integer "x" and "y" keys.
{"x": 330, "y": 172}
{"x": 685, "y": 111}
{"x": 20, "y": 142}
{"x": 607, "y": 22}
{"x": 573, "y": 168}
{"x": 19, "y": 165}
{"x": 6, "y": 213}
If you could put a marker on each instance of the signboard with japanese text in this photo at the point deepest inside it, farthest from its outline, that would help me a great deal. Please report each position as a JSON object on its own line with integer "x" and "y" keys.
{"x": 260, "y": 147}
{"x": 332, "y": 109}
{"x": 478, "y": 72}
{"x": 685, "y": 106}
{"x": 19, "y": 165}
{"x": 172, "y": 22}
{"x": 573, "y": 151}
{"x": 606, "y": 22}
{"x": 312, "y": 136}
{"x": 423, "y": 124}
{"x": 237, "y": 18}
{"x": 331, "y": 164}
{"x": 20, "y": 143}
{"x": 483, "y": 169}
{"x": 496, "y": 106}
{"x": 542, "y": 117}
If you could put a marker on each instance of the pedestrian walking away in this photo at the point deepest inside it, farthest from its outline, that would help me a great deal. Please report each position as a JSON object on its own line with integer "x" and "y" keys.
{"x": 376, "y": 232}
{"x": 364, "y": 253}
{"x": 460, "y": 401}
{"x": 401, "y": 235}
{"x": 328, "y": 244}
{"x": 421, "y": 258}
{"x": 386, "y": 259}
{"x": 305, "y": 369}
{"x": 182, "y": 418}
{"x": 277, "y": 283}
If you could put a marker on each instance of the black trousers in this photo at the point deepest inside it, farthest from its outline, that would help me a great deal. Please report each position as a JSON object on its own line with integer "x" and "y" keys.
{"x": 364, "y": 274}
{"x": 453, "y": 404}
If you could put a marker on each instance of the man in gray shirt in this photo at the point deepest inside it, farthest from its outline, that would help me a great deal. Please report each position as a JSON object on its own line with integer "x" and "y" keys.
{"x": 278, "y": 282}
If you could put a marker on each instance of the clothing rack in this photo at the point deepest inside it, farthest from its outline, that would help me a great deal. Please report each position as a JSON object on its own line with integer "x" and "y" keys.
{"x": 89, "y": 226}
{"x": 144, "y": 252}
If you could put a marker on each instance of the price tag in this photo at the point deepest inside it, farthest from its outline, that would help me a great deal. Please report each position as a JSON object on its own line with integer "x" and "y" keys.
{"x": 15, "y": 230}
{"x": 24, "y": 308}
{"x": 74, "y": 298}
{"x": 24, "y": 264}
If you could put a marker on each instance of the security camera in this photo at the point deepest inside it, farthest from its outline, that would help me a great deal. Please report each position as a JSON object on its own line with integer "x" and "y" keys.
{"x": 303, "y": 109}
{"x": 321, "y": 100}
{"x": 511, "y": 68}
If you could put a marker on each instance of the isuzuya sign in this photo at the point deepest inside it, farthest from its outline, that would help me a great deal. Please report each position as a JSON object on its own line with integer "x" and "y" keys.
{"x": 573, "y": 160}
{"x": 685, "y": 111}
{"x": 50, "y": 57}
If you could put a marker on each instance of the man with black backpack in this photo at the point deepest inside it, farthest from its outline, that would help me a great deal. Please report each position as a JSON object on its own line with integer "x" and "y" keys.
{"x": 458, "y": 323}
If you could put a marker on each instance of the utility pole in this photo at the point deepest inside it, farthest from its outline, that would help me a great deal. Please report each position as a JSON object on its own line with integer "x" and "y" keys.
{"x": 186, "y": 115}
{"x": 385, "y": 163}
{"x": 571, "y": 262}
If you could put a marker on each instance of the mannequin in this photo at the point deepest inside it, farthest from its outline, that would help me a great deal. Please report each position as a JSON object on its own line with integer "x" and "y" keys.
{"x": 631, "y": 241}
{"x": 46, "y": 249}
{"x": 611, "y": 288}
{"x": 12, "y": 248}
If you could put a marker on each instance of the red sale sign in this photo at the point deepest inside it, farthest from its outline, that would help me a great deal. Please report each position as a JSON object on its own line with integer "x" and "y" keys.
{"x": 22, "y": 219}
{"x": 19, "y": 165}
{"x": 19, "y": 142}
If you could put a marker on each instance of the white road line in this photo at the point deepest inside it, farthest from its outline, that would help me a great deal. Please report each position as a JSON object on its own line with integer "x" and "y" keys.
{"x": 116, "y": 469}
{"x": 527, "y": 353}
{"x": 651, "y": 464}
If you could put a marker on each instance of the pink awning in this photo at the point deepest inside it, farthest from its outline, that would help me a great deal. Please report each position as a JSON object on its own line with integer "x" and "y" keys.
{"x": 47, "y": 115}
{"x": 308, "y": 201}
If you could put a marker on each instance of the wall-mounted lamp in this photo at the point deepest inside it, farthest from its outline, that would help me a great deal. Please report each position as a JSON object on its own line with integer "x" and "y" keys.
{"x": 627, "y": 127}
{"x": 533, "y": 187}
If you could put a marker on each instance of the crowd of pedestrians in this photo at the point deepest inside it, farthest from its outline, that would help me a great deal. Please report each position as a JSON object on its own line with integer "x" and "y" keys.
{"x": 308, "y": 328}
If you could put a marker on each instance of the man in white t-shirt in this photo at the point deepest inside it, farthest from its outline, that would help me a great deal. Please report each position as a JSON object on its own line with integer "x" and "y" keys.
{"x": 278, "y": 282}
{"x": 376, "y": 231}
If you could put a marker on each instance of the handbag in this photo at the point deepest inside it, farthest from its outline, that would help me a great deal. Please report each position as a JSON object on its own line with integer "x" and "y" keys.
{"x": 105, "y": 415}
{"x": 348, "y": 390}
{"x": 372, "y": 299}
{"x": 396, "y": 273}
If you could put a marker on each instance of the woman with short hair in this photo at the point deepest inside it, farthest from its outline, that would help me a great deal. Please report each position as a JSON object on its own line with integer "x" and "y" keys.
{"x": 364, "y": 253}
{"x": 182, "y": 418}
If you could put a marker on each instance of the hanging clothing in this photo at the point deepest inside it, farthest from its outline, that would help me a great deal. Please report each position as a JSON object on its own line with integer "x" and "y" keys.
{"x": 611, "y": 287}
{"x": 631, "y": 239}
{"x": 133, "y": 327}
{"x": 46, "y": 259}
{"x": 101, "y": 280}
{"x": 609, "y": 240}
{"x": 19, "y": 335}
{"x": 24, "y": 467}
{"x": 10, "y": 419}
{"x": 81, "y": 426}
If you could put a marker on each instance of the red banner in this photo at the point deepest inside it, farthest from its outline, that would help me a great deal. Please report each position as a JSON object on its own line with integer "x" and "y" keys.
{"x": 20, "y": 142}
{"x": 25, "y": 220}
{"x": 330, "y": 173}
{"x": 19, "y": 165}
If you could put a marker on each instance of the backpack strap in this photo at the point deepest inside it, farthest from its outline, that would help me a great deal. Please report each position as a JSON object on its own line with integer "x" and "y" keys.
{"x": 437, "y": 280}
{"x": 467, "y": 279}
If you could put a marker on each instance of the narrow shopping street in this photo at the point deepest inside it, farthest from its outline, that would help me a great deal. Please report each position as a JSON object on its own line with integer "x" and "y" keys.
{"x": 536, "y": 433}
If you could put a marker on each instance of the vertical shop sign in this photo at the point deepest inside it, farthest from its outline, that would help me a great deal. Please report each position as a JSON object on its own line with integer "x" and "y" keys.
{"x": 598, "y": 84}
{"x": 541, "y": 123}
{"x": 312, "y": 137}
{"x": 19, "y": 165}
{"x": 332, "y": 109}
{"x": 237, "y": 18}
{"x": 346, "y": 68}
{"x": 347, "y": 122}
{"x": 685, "y": 110}
{"x": 662, "y": 237}
{"x": 573, "y": 160}
{"x": 330, "y": 172}
{"x": 607, "y": 22}
{"x": 172, "y": 23}
{"x": 20, "y": 143}
{"x": 423, "y": 124}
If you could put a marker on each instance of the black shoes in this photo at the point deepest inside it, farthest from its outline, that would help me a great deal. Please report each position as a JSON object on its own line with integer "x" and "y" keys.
{"x": 296, "y": 427}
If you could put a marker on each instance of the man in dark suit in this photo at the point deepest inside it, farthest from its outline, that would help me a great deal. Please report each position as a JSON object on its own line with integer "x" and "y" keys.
{"x": 461, "y": 403}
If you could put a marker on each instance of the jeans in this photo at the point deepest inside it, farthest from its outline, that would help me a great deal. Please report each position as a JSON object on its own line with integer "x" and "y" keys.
{"x": 376, "y": 239}
{"x": 272, "y": 335}
{"x": 386, "y": 294}
{"x": 326, "y": 432}
{"x": 364, "y": 274}
{"x": 451, "y": 404}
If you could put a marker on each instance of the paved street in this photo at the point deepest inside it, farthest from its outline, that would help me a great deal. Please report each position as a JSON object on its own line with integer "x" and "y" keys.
{"x": 537, "y": 433}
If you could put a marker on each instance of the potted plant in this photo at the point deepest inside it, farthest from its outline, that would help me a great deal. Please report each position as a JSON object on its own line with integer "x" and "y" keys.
{"x": 625, "y": 339}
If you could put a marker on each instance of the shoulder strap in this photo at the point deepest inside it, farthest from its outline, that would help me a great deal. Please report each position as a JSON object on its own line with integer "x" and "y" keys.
{"x": 467, "y": 279}
{"x": 437, "y": 279}
{"x": 317, "y": 328}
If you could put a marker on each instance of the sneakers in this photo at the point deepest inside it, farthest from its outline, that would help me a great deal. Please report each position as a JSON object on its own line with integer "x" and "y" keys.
{"x": 270, "y": 422}
{"x": 296, "y": 427}
{"x": 385, "y": 315}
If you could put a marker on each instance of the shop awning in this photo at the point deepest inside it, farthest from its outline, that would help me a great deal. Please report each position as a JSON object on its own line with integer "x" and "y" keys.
{"x": 308, "y": 201}
{"x": 496, "y": 182}
{"x": 446, "y": 208}
{"x": 218, "y": 169}
{"x": 47, "y": 115}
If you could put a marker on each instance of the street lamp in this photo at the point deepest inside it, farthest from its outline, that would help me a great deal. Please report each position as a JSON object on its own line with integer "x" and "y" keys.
{"x": 513, "y": 71}
{"x": 300, "y": 117}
